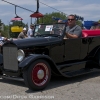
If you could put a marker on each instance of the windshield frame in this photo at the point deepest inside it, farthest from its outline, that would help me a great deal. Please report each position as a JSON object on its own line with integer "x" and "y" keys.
{"x": 61, "y": 27}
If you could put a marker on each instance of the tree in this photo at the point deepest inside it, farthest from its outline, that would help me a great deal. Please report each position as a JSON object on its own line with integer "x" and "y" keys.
{"x": 6, "y": 32}
{"x": 3, "y": 29}
{"x": 79, "y": 23}
{"x": 1, "y": 25}
{"x": 98, "y": 21}
{"x": 48, "y": 17}
{"x": 15, "y": 23}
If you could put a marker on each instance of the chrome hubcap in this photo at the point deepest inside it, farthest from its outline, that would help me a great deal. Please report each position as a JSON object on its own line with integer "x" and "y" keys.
{"x": 40, "y": 74}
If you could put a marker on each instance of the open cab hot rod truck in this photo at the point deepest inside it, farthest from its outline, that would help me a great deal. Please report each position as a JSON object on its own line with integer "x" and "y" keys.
{"x": 33, "y": 60}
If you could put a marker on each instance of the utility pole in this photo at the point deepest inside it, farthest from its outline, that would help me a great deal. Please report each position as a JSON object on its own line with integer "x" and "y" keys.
{"x": 0, "y": 24}
{"x": 37, "y": 10}
{"x": 37, "y": 6}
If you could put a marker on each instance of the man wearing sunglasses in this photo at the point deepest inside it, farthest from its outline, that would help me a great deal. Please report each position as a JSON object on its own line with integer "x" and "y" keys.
{"x": 73, "y": 30}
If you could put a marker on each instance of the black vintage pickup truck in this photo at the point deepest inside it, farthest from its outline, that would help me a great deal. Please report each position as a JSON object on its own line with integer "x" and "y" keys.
{"x": 33, "y": 60}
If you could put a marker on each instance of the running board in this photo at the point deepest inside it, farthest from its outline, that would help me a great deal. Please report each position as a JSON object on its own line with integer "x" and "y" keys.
{"x": 80, "y": 72}
{"x": 12, "y": 78}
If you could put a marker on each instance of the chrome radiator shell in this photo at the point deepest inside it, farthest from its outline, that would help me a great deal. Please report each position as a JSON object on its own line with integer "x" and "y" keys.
{"x": 10, "y": 54}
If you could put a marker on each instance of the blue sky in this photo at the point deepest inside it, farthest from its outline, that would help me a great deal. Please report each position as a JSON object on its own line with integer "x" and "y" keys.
{"x": 89, "y": 9}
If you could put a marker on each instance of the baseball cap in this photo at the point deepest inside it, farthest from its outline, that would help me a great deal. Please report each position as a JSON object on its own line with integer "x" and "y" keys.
{"x": 24, "y": 29}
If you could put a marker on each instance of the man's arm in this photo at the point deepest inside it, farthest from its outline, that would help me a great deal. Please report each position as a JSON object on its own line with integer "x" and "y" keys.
{"x": 68, "y": 35}
{"x": 76, "y": 34}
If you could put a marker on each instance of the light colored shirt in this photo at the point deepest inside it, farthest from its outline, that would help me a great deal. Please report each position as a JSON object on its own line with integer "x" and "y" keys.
{"x": 22, "y": 35}
{"x": 30, "y": 32}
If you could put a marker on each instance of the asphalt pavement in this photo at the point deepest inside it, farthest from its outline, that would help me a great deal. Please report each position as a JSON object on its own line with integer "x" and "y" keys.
{"x": 84, "y": 87}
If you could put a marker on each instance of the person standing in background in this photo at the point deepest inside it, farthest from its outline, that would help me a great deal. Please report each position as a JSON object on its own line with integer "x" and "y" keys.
{"x": 2, "y": 39}
{"x": 30, "y": 31}
{"x": 23, "y": 34}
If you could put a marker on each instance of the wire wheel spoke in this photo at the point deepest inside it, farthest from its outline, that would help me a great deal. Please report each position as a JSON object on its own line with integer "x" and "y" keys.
{"x": 40, "y": 74}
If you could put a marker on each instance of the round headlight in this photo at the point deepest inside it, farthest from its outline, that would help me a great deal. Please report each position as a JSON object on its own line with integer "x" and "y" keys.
{"x": 21, "y": 55}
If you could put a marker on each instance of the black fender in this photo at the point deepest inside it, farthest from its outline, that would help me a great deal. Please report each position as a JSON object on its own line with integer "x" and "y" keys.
{"x": 94, "y": 52}
{"x": 97, "y": 57}
{"x": 28, "y": 60}
{"x": 94, "y": 56}
{"x": 1, "y": 59}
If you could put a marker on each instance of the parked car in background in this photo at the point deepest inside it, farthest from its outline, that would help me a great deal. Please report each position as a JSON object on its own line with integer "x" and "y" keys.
{"x": 33, "y": 60}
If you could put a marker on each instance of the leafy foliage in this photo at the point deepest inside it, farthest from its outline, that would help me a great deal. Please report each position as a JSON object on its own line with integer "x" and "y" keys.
{"x": 79, "y": 23}
{"x": 0, "y": 22}
{"x": 15, "y": 23}
{"x": 7, "y": 29}
{"x": 48, "y": 17}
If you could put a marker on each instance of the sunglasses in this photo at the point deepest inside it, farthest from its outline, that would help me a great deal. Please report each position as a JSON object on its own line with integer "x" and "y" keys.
{"x": 70, "y": 19}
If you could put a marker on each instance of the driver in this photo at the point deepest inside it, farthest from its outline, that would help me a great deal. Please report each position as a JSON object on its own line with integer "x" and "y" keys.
{"x": 73, "y": 30}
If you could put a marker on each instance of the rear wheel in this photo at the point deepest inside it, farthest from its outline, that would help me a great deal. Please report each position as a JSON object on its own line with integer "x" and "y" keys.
{"x": 38, "y": 75}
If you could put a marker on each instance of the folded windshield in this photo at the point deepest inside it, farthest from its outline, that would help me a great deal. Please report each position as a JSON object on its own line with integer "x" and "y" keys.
{"x": 49, "y": 30}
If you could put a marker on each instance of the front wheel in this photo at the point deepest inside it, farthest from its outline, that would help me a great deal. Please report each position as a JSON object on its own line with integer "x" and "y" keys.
{"x": 38, "y": 75}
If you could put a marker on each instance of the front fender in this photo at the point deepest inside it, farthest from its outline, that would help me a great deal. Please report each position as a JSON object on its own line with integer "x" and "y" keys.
{"x": 28, "y": 60}
{"x": 32, "y": 58}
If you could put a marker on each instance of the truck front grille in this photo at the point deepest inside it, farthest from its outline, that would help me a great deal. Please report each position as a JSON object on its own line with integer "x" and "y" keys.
{"x": 10, "y": 57}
